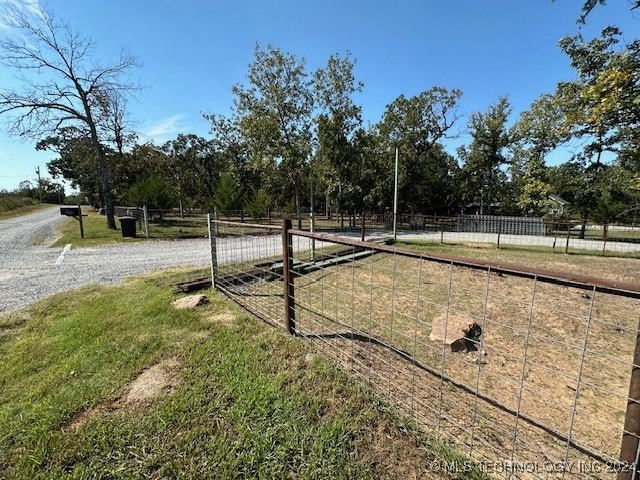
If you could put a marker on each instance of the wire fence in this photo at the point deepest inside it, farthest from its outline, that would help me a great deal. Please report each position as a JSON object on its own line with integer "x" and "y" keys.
{"x": 557, "y": 235}
{"x": 619, "y": 238}
{"x": 529, "y": 373}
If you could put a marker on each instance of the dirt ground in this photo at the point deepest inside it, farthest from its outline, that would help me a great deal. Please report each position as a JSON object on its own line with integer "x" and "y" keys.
{"x": 154, "y": 381}
{"x": 547, "y": 387}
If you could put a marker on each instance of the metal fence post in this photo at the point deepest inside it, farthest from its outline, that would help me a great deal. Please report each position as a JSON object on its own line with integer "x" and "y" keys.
{"x": 631, "y": 434}
{"x": 213, "y": 238}
{"x": 287, "y": 276}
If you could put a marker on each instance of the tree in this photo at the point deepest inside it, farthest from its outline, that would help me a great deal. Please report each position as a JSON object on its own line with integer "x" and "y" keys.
{"x": 485, "y": 156}
{"x": 252, "y": 169}
{"x": 153, "y": 191}
{"x": 275, "y": 113}
{"x": 76, "y": 162}
{"x": 259, "y": 204}
{"x": 415, "y": 126}
{"x": 600, "y": 109}
{"x": 542, "y": 127}
{"x": 62, "y": 84}
{"x": 538, "y": 131}
{"x": 228, "y": 196}
{"x": 601, "y": 104}
{"x": 589, "y": 5}
{"x": 339, "y": 159}
{"x": 534, "y": 196}
{"x": 194, "y": 166}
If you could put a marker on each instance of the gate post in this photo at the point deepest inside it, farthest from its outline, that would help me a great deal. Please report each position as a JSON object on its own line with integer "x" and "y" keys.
{"x": 213, "y": 238}
{"x": 629, "y": 449}
{"x": 145, "y": 214}
{"x": 287, "y": 277}
{"x": 80, "y": 219}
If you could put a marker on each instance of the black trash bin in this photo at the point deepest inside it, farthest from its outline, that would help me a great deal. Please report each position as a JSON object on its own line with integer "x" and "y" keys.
{"x": 128, "y": 226}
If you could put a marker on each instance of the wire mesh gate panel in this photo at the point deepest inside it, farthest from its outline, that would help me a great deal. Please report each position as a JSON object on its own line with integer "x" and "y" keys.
{"x": 543, "y": 392}
{"x": 243, "y": 256}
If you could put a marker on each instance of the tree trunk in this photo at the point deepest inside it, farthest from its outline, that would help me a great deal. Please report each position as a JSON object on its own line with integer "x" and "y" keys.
{"x": 583, "y": 227}
{"x": 103, "y": 175}
{"x": 106, "y": 189}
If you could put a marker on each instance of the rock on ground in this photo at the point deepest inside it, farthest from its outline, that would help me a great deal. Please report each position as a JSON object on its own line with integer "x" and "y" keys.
{"x": 190, "y": 302}
{"x": 454, "y": 325}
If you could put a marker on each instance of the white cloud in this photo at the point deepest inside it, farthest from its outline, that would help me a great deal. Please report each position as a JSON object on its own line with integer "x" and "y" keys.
{"x": 166, "y": 129}
{"x": 32, "y": 9}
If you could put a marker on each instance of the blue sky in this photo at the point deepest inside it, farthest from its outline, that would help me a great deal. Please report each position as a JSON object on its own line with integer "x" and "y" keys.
{"x": 193, "y": 51}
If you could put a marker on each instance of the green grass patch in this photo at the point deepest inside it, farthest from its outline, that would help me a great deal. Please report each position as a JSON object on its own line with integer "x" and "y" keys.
{"x": 243, "y": 400}
{"x": 95, "y": 231}
{"x": 11, "y": 206}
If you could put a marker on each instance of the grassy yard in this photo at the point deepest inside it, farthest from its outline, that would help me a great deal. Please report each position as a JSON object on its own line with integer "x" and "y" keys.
{"x": 96, "y": 232}
{"x": 113, "y": 382}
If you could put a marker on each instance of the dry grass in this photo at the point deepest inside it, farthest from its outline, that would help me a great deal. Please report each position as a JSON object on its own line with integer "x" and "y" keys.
{"x": 556, "y": 360}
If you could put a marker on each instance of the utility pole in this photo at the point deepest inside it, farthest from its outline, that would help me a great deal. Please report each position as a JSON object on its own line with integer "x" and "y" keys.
{"x": 39, "y": 183}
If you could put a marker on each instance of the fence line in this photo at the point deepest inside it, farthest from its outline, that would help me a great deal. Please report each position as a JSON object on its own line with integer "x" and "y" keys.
{"x": 557, "y": 235}
{"x": 548, "y": 379}
{"x": 562, "y": 236}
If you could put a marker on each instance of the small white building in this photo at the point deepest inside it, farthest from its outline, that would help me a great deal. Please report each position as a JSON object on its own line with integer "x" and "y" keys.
{"x": 557, "y": 205}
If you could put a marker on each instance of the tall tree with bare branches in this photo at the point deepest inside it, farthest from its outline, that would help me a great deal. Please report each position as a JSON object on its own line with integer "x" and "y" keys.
{"x": 62, "y": 84}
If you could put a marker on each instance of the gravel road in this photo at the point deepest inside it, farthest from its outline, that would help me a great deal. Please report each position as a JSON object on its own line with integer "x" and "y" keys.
{"x": 31, "y": 270}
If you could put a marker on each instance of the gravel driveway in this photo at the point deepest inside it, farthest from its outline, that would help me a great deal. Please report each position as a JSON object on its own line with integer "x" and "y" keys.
{"x": 30, "y": 270}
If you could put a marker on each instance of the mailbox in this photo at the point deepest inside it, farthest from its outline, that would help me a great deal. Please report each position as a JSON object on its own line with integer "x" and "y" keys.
{"x": 70, "y": 211}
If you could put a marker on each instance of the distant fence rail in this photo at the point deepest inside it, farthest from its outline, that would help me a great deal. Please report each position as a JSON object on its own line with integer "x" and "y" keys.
{"x": 506, "y": 225}
{"x": 550, "y": 389}
{"x": 562, "y": 236}
{"x": 557, "y": 235}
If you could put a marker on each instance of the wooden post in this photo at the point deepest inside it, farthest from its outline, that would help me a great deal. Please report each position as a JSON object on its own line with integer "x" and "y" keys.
{"x": 287, "y": 277}
{"x": 362, "y": 228}
{"x": 605, "y": 229}
{"x": 145, "y": 214}
{"x": 499, "y": 231}
{"x": 566, "y": 249}
{"x": 631, "y": 433}
{"x": 80, "y": 219}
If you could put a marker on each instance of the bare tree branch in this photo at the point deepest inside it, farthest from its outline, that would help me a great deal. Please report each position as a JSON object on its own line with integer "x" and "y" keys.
{"x": 63, "y": 85}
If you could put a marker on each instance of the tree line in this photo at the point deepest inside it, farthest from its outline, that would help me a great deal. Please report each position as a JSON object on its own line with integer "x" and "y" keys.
{"x": 295, "y": 139}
